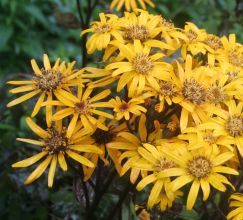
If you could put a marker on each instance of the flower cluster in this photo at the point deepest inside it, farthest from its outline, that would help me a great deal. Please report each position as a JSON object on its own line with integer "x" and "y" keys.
{"x": 177, "y": 118}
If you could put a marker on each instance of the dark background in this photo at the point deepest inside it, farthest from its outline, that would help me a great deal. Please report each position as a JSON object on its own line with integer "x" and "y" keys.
{"x": 29, "y": 28}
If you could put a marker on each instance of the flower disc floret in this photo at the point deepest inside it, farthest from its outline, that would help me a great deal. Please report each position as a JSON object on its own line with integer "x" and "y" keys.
{"x": 199, "y": 167}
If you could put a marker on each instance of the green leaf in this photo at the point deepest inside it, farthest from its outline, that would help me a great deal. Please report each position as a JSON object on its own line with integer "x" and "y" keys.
{"x": 5, "y": 34}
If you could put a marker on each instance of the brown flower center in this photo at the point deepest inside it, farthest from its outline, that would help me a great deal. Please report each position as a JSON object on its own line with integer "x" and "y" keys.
{"x": 193, "y": 91}
{"x": 142, "y": 64}
{"x": 49, "y": 80}
{"x": 192, "y": 35}
{"x": 236, "y": 57}
{"x": 164, "y": 23}
{"x": 199, "y": 167}
{"x": 103, "y": 137}
{"x": 213, "y": 42}
{"x": 234, "y": 126}
{"x": 57, "y": 142}
{"x": 103, "y": 29}
{"x": 83, "y": 107}
{"x": 163, "y": 164}
{"x": 123, "y": 107}
{"x": 209, "y": 138}
{"x": 167, "y": 89}
{"x": 136, "y": 32}
{"x": 216, "y": 95}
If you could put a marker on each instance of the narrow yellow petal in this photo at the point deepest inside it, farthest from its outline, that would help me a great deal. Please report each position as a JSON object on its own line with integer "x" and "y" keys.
{"x": 30, "y": 141}
{"x": 142, "y": 128}
{"x": 38, "y": 104}
{"x": 35, "y": 128}
{"x": 35, "y": 67}
{"x": 192, "y": 196}
{"x": 31, "y": 160}
{"x": 20, "y": 82}
{"x": 38, "y": 171}
{"x": 205, "y": 188}
{"x": 80, "y": 158}
{"x": 155, "y": 192}
{"x": 47, "y": 64}
{"x": 145, "y": 181}
{"x": 23, "y": 98}
{"x": 72, "y": 125}
{"x": 86, "y": 148}
{"x": 101, "y": 95}
{"x": 52, "y": 170}
{"x": 22, "y": 89}
{"x": 62, "y": 162}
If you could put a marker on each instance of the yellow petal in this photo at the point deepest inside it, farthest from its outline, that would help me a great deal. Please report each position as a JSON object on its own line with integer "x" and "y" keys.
{"x": 52, "y": 170}
{"x": 38, "y": 104}
{"x": 86, "y": 148}
{"x": 80, "y": 158}
{"x": 22, "y": 89}
{"x": 72, "y": 125}
{"x": 35, "y": 67}
{"x": 192, "y": 196}
{"x": 142, "y": 128}
{"x": 62, "y": 162}
{"x": 205, "y": 188}
{"x": 30, "y": 141}
{"x": 47, "y": 64}
{"x": 145, "y": 181}
{"x": 35, "y": 128}
{"x": 23, "y": 98}
{"x": 38, "y": 171}
{"x": 155, "y": 192}
{"x": 31, "y": 160}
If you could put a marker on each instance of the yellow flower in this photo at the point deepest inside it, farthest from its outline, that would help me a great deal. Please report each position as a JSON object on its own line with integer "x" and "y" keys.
{"x": 101, "y": 138}
{"x": 228, "y": 124}
{"x": 232, "y": 52}
{"x": 103, "y": 31}
{"x": 236, "y": 200}
{"x": 196, "y": 37}
{"x": 84, "y": 107}
{"x": 129, "y": 144}
{"x": 140, "y": 69}
{"x": 130, "y": 4}
{"x": 202, "y": 168}
{"x": 154, "y": 160}
{"x": 206, "y": 138}
{"x": 55, "y": 146}
{"x": 47, "y": 81}
{"x": 189, "y": 86}
{"x": 124, "y": 109}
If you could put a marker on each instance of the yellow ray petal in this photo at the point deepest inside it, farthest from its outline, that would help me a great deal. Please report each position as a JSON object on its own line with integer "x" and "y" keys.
{"x": 52, "y": 170}
{"x": 22, "y": 89}
{"x": 72, "y": 125}
{"x": 101, "y": 95}
{"x": 80, "y": 158}
{"x": 30, "y": 141}
{"x": 31, "y": 160}
{"x": 62, "y": 162}
{"x": 20, "y": 82}
{"x": 205, "y": 188}
{"x": 38, "y": 104}
{"x": 154, "y": 194}
{"x": 35, "y": 67}
{"x": 47, "y": 64}
{"x": 86, "y": 148}
{"x": 38, "y": 171}
{"x": 35, "y": 128}
{"x": 192, "y": 196}
{"x": 145, "y": 181}
{"x": 23, "y": 98}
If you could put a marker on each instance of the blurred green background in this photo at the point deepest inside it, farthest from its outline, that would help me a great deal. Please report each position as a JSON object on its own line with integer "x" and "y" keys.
{"x": 29, "y": 28}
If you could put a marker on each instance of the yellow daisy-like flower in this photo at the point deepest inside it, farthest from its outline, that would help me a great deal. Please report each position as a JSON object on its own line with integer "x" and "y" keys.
{"x": 55, "y": 146}
{"x": 206, "y": 138}
{"x": 140, "y": 69}
{"x": 192, "y": 84}
{"x": 232, "y": 52}
{"x": 130, "y": 4}
{"x": 196, "y": 37}
{"x": 202, "y": 168}
{"x": 236, "y": 201}
{"x": 154, "y": 160}
{"x": 228, "y": 123}
{"x": 129, "y": 144}
{"x": 101, "y": 138}
{"x": 46, "y": 82}
{"x": 103, "y": 31}
{"x": 124, "y": 109}
{"x": 84, "y": 107}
